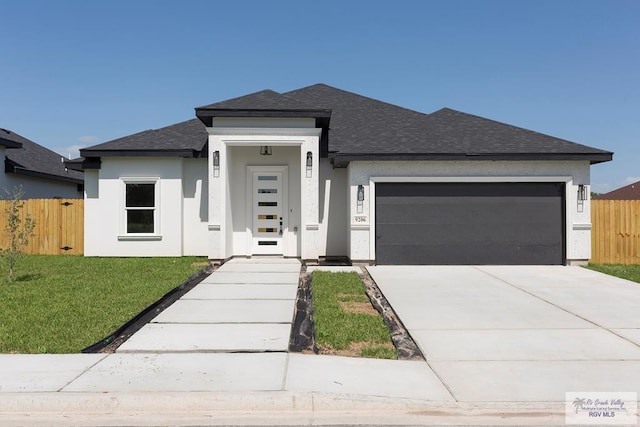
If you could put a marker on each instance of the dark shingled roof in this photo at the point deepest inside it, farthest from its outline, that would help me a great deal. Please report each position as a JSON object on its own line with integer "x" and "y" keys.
{"x": 629, "y": 192}
{"x": 185, "y": 139}
{"x": 35, "y": 160}
{"x": 362, "y": 128}
{"x": 9, "y": 139}
{"x": 263, "y": 100}
{"x": 266, "y": 103}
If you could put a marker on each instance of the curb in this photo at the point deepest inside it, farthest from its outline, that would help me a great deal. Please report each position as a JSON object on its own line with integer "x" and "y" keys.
{"x": 262, "y": 408}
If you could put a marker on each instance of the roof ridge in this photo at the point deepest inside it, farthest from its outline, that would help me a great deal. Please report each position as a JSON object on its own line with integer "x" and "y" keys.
{"x": 237, "y": 98}
{"x": 368, "y": 98}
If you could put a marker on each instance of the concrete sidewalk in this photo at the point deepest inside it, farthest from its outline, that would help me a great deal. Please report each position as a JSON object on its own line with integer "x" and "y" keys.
{"x": 244, "y": 306}
{"x": 150, "y": 389}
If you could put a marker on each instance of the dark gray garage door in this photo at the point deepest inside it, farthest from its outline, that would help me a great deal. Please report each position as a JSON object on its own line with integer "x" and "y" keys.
{"x": 470, "y": 223}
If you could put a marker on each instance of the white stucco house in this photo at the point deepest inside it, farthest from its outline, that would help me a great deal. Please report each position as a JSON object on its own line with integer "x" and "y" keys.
{"x": 40, "y": 171}
{"x": 319, "y": 172}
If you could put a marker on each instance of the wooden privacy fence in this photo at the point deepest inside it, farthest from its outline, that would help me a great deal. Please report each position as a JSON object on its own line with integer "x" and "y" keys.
{"x": 59, "y": 226}
{"x": 615, "y": 233}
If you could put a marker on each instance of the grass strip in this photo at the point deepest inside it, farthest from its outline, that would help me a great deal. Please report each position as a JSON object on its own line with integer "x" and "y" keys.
{"x": 62, "y": 304}
{"x": 345, "y": 321}
{"x": 629, "y": 272}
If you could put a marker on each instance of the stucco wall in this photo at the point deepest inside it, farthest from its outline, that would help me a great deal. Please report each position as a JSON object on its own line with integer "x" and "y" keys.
{"x": 362, "y": 215}
{"x": 36, "y": 188}
{"x": 104, "y": 207}
{"x": 195, "y": 207}
{"x": 334, "y": 211}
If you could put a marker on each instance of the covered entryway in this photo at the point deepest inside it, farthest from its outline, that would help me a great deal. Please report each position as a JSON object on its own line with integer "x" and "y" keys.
{"x": 511, "y": 223}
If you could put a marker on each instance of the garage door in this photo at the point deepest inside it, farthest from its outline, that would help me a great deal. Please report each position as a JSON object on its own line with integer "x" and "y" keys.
{"x": 470, "y": 223}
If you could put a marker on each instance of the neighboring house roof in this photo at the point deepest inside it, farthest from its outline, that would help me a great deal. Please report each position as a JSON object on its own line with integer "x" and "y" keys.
{"x": 25, "y": 157}
{"x": 361, "y": 128}
{"x": 9, "y": 139}
{"x": 629, "y": 192}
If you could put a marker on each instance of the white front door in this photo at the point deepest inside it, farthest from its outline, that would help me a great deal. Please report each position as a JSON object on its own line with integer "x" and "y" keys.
{"x": 267, "y": 213}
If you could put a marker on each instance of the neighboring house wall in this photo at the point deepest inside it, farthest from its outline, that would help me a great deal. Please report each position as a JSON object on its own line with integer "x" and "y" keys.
{"x": 36, "y": 188}
{"x": 367, "y": 173}
{"x": 105, "y": 225}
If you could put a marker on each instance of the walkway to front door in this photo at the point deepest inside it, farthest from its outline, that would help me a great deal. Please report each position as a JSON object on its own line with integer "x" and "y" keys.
{"x": 245, "y": 306}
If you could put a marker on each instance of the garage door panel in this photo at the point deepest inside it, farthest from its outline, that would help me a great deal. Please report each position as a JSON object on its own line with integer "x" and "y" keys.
{"x": 459, "y": 234}
{"x": 473, "y": 189}
{"x": 472, "y": 255}
{"x": 470, "y": 223}
{"x": 438, "y": 209}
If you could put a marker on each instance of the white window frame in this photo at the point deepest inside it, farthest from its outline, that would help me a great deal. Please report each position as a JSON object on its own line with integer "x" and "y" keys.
{"x": 124, "y": 235}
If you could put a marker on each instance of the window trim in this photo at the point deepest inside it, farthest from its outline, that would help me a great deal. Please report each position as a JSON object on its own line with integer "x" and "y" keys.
{"x": 124, "y": 235}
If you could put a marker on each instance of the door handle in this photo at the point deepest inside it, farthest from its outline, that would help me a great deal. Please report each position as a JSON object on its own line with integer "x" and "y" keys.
{"x": 280, "y": 226}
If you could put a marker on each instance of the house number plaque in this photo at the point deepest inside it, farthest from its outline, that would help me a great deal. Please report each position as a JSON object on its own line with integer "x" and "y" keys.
{"x": 361, "y": 218}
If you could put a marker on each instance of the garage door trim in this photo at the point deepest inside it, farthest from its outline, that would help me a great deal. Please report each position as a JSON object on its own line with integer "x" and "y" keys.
{"x": 567, "y": 180}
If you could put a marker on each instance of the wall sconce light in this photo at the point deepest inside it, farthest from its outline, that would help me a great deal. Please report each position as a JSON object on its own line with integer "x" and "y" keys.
{"x": 216, "y": 163}
{"x": 265, "y": 150}
{"x": 361, "y": 193}
{"x": 582, "y": 192}
{"x": 309, "y": 164}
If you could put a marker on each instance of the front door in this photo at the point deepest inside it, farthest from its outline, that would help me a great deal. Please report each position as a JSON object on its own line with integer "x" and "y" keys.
{"x": 267, "y": 213}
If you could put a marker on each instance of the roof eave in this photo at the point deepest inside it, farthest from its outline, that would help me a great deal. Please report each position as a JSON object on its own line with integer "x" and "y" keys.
{"x": 188, "y": 153}
{"x": 342, "y": 159}
{"x": 81, "y": 164}
{"x": 28, "y": 172}
{"x": 7, "y": 143}
{"x": 206, "y": 115}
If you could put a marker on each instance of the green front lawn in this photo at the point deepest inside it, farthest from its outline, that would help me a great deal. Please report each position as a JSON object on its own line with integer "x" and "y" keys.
{"x": 629, "y": 272}
{"x": 345, "y": 321}
{"x": 62, "y": 304}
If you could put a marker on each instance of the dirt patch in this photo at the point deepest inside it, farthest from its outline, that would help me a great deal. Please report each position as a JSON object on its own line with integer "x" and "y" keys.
{"x": 200, "y": 264}
{"x": 358, "y": 307}
{"x": 354, "y": 349}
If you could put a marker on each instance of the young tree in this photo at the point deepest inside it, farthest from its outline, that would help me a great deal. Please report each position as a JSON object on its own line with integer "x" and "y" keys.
{"x": 18, "y": 231}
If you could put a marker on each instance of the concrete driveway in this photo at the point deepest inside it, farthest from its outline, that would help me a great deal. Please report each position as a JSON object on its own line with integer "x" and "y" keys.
{"x": 519, "y": 333}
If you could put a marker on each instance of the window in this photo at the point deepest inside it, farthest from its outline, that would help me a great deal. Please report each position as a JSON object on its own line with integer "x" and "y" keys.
{"x": 140, "y": 207}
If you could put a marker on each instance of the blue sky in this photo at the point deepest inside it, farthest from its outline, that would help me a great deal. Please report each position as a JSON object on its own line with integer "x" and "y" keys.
{"x": 76, "y": 73}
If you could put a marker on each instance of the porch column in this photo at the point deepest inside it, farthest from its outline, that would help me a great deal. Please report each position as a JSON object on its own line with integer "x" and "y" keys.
{"x": 217, "y": 167}
{"x": 309, "y": 171}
